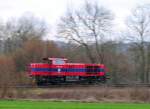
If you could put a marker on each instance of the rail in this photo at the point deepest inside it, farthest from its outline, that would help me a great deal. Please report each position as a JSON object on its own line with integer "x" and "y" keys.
{"x": 78, "y": 85}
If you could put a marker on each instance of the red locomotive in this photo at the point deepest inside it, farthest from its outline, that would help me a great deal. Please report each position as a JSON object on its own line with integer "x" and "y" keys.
{"x": 57, "y": 70}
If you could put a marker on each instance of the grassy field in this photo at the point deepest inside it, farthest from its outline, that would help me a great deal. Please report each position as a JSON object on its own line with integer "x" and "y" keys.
{"x": 5, "y": 104}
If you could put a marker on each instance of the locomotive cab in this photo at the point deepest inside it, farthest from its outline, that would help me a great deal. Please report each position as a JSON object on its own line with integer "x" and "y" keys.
{"x": 55, "y": 61}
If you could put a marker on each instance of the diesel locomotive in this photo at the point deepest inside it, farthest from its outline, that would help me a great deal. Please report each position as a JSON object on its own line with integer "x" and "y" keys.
{"x": 58, "y": 70}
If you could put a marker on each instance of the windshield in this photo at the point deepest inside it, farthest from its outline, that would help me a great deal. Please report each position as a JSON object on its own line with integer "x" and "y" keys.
{"x": 59, "y": 61}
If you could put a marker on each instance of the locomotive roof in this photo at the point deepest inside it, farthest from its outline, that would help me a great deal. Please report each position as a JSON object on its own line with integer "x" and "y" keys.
{"x": 67, "y": 64}
{"x": 57, "y": 58}
{"x": 82, "y": 64}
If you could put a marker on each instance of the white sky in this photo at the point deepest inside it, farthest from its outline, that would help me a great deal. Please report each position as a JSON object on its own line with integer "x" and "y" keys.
{"x": 51, "y": 10}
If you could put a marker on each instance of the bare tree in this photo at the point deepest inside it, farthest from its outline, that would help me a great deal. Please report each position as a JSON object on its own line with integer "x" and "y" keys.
{"x": 16, "y": 31}
{"x": 139, "y": 28}
{"x": 87, "y": 26}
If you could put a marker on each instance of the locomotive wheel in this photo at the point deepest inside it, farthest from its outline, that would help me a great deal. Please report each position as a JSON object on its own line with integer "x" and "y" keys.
{"x": 103, "y": 79}
{"x": 40, "y": 81}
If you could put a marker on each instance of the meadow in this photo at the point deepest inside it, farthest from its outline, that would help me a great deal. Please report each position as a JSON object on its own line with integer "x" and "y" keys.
{"x": 25, "y": 104}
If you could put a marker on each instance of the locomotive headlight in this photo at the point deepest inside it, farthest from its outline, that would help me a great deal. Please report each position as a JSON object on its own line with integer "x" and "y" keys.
{"x": 59, "y": 70}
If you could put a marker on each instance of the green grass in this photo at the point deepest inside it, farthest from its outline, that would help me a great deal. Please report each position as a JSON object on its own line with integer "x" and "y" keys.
{"x": 5, "y": 104}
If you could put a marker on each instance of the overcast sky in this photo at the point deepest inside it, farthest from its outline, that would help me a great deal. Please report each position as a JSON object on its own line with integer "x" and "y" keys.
{"x": 51, "y": 10}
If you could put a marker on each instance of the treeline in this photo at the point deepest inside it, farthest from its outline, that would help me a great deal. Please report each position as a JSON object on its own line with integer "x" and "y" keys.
{"x": 87, "y": 34}
{"x": 92, "y": 27}
{"x": 21, "y": 42}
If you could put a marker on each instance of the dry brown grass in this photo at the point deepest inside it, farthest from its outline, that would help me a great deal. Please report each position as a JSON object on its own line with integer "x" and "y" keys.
{"x": 89, "y": 94}
{"x": 142, "y": 94}
{"x": 92, "y": 94}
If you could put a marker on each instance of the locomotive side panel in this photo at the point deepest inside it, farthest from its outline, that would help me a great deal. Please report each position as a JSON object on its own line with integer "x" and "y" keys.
{"x": 67, "y": 70}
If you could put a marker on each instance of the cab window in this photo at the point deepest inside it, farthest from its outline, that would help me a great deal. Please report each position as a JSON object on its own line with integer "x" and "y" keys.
{"x": 58, "y": 61}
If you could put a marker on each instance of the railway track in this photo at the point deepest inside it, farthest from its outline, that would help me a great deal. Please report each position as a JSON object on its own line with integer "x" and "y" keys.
{"x": 80, "y": 85}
